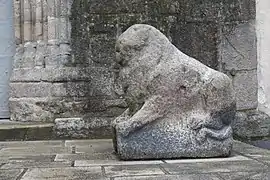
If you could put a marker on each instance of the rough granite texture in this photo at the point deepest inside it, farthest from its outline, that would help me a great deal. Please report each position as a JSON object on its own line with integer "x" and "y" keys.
{"x": 177, "y": 106}
{"x": 63, "y": 62}
{"x": 251, "y": 124}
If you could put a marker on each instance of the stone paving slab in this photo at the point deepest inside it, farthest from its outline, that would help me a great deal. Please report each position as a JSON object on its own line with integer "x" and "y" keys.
{"x": 20, "y": 144}
{"x": 10, "y": 174}
{"x": 252, "y": 152}
{"x": 234, "y": 157}
{"x": 95, "y": 148}
{"x": 128, "y": 170}
{"x": 74, "y": 157}
{"x": 37, "y": 157}
{"x": 85, "y": 163}
{"x": 214, "y": 167}
{"x": 21, "y": 164}
{"x": 70, "y": 173}
{"x": 173, "y": 177}
{"x": 263, "y": 175}
{"x": 94, "y": 159}
{"x": 249, "y": 149}
{"x": 87, "y": 142}
{"x": 33, "y": 150}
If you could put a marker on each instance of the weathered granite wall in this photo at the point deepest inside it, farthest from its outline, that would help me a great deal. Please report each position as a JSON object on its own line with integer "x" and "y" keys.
{"x": 221, "y": 35}
{"x": 47, "y": 83}
{"x": 63, "y": 66}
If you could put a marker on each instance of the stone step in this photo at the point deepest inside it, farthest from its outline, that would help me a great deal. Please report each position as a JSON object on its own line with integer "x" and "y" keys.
{"x": 91, "y": 127}
{"x": 11, "y": 131}
{"x": 63, "y": 128}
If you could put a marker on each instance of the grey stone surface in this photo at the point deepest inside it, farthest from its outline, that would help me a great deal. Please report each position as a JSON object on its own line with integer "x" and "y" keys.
{"x": 251, "y": 124}
{"x": 85, "y": 156}
{"x": 207, "y": 10}
{"x": 95, "y": 148}
{"x": 85, "y": 163}
{"x": 191, "y": 25}
{"x": 92, "y": 74}
{"x": 62, "y": 74}
{"x": 173, "y": 177}
{"x": 233, "y": 157}
{"x": 31, "y": 143}
{"x": 197, "y": 40}
{"x": 238, "y": 47}
{"x": 215, "y": 167}
{"x": 80, "y": 89}
{"x": 249, "y": 163}
{"x": 30, "y": 109}
{"x": 76, "y": 173}
{"x": 28, "y": 151}
{"x": 75, "y": 126}
{"x": 78, "y": 54}
{"x": 11, "y": 130}
{"x": 88, "y": 142}
{"x": 246, "y": 89}
{"x": 125, "y": 170}
{"x": 95, "y": 127}
{"x": 26, "y": 75}
{"x": 246, "y": 175}
{"x": 48, "y": 108}
{"x": 21, "y": 164}
{"x": 35, "y": 157}
{"x": 248, "y": 149}
{"x": 10, "y": 174}
{"x": 177, "y": 107}
{"x": 20, "y": 90}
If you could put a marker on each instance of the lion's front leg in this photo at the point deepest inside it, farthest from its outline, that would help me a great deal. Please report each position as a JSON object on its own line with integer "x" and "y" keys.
{"x": 123, "y": 117}
{"x": 150, "y": 111}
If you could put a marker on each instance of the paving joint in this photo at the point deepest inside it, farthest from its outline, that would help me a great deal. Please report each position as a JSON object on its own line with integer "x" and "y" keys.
{"x": 163, "y": 169}
{"x": 22, "y": 174}
{"x": 2, "y": 164}
{"x": 53, "y": 158}
{"x": 103, "y": 171}
{"x": 220, "y": 177}
{"x": 250, "y": 157}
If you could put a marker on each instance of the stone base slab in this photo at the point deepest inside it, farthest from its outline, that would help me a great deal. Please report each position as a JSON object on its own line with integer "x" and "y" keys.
{"x": 155, "y": 144}
{"x": 251, "y": 124}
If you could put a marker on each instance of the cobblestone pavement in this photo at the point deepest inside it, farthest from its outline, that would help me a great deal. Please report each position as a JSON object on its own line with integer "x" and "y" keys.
{"x": 94, "y": 160}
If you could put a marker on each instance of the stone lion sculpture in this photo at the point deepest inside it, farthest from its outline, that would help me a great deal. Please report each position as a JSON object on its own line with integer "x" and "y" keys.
{"x": 177, "y": 106}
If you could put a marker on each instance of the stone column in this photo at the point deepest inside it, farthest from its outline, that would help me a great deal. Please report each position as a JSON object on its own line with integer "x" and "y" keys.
{"x": 263, "y": 44}
{"x": 6, "y": 53}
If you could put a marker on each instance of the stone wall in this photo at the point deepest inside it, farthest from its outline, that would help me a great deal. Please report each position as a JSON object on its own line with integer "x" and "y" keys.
{"x": 63, "y": 66}
{"x": 47, "y": 83}
{"x": 220, "y": 35}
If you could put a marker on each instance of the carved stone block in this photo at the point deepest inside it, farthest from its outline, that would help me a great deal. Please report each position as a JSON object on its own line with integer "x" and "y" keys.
{"x": 177, "y": 107}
